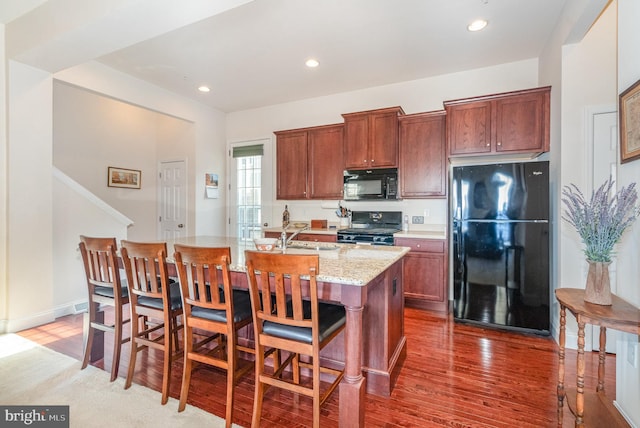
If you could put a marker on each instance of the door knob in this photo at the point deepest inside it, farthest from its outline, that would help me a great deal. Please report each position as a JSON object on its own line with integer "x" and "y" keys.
{"x": 180, "y": 225}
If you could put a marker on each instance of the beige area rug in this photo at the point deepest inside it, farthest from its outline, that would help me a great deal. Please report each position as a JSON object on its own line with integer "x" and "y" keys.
{"x": 31, "y": 374}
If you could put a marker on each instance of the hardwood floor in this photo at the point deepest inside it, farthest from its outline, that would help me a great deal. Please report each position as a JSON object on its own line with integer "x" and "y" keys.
{"x": 455, "y": 375}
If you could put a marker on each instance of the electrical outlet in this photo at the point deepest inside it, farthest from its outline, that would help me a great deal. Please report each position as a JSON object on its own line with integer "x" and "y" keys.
{"x": 632, "y": 354}
{"x": 417, "y": 219}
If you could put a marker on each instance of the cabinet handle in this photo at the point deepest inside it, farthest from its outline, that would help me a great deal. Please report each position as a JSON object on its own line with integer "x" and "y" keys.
{"x": 365, "y": 161}
{"x": 488, "y": 144}
{"x": 418, "y": 245}
{"x": 499, "y": 143}
{"x": 372, "y": 160}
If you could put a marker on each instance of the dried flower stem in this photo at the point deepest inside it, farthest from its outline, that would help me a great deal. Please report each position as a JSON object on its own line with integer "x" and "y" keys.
{"x": 601, "y": 221}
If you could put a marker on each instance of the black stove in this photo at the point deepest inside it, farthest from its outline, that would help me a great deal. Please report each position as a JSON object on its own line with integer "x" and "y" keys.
{"x": 371, "y": 227}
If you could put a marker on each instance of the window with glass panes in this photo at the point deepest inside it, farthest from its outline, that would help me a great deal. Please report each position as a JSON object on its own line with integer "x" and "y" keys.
{"x": 249, "y": 170}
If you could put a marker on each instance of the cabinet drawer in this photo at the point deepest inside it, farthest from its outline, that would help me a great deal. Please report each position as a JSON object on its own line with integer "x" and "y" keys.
{"x": 316, "y": 237}
{"x": 421, "y": 245}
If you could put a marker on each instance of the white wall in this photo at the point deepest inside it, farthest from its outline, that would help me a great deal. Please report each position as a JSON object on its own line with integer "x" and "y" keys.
{"x": 585, "y": 73}
{"x": 627, "y": 376}
{"x": 591, "y": 60}
{"x": 4, "y": 302}
{"x": 76, "y": 211}
{"x": 413, "y": 96}
{"x": 27, "y": 298}
{"x": 583, "y": 64}
{"x": 93, "y": 132}
{"x": 208, "y": 215}
{"x": 29, "y": 215}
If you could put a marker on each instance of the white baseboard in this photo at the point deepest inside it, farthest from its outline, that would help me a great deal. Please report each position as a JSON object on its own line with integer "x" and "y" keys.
{"x": 19, "y": 324}
{"x": 15, "y": 325}
{"x": 624, "y": 415}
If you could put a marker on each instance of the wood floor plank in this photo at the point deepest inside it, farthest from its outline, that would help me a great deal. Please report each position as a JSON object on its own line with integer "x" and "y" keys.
{"x": 455, "y": 375}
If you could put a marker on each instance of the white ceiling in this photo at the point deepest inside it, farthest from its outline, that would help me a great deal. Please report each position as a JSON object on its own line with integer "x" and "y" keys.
{"x": 253, "y": 55}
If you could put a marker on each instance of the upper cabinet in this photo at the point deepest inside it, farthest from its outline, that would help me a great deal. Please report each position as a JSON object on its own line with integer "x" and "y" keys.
{"x": 310, "y": 163}
{"x": 509, "y": 123}
{"x": 371, "y": 138}
{"x": 422, "y": 168}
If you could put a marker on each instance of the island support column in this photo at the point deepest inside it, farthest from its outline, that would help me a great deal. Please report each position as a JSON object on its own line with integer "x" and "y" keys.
{"x": 352, "y": 387}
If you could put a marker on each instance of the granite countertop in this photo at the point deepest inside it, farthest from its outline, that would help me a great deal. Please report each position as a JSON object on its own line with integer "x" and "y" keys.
{"x": 292, "y": 229}
{"x": 339, "y": 263}
{"x": 438, "y": 233}
{"x": 423, "y": 234}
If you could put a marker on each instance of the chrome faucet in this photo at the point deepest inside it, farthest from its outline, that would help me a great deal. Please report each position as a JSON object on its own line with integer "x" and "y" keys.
{"x": 285, "y": 240}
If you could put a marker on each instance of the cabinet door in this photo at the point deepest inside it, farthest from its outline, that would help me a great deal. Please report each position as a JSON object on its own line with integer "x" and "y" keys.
{"x": 356, "y": 146}
{"x": 383, "y": 140}
{"x": 469, "y": 128}
{"x": 424, "y": 277}
{"x": 316, "y": 237}
{"x": 291, "y": 155}
{"x": 422, "y": 168}
{"x": 326, "y": 162}
{"x": 520, "y": 123}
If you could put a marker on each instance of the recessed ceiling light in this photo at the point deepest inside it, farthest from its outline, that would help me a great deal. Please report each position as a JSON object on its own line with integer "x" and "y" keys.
{"x": 204, "y": 88}
{"x": 477, "y": 25}
{"x": 312, "y": 63}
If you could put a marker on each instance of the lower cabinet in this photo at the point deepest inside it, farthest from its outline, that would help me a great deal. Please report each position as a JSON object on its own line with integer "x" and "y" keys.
{"x": 425, "y": 273}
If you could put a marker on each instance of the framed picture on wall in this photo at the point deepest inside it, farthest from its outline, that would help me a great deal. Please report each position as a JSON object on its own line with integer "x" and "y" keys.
{"x": 121, "y": 177}
{"x": 630, "y": 123}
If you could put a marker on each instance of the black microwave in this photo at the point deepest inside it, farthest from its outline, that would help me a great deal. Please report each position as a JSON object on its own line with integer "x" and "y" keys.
{"x": 371, "y": 184}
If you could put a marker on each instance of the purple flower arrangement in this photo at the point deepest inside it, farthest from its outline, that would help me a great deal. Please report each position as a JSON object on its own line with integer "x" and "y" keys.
{"x": 602, "y": 220}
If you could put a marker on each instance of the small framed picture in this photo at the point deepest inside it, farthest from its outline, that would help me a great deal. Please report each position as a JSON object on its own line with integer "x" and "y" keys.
{"x": 121, "y": 177}
{"x": 630, "y": 123}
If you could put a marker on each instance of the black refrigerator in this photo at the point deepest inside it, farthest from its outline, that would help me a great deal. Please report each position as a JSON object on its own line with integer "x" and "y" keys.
{"x": 500, "y": 245}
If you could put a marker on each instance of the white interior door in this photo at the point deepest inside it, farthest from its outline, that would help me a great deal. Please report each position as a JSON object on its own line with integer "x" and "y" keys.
{"x": 604, "y": 165}
{"x": 173, "y": 200}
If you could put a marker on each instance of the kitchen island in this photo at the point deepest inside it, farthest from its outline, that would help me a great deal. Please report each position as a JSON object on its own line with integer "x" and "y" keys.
{"x": 367, "y": 280}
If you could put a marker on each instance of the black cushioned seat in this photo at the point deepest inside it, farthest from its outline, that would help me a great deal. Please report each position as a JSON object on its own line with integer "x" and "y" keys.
{"x": 175, "y": 301}
{"x": 330, "y": 318}
{"x": 241, "y": 309}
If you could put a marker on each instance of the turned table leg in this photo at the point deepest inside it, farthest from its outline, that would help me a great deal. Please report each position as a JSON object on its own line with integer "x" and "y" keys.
{"x": 580, "y": 370}
{"x": 601, "y": 357}
{"x": 561, "y": 392}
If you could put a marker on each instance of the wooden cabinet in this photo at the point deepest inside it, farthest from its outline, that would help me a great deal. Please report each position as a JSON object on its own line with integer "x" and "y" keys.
{"x": 292, "y": 164}
{"x": 422, "y": 147}
{"x": 371, "y": 138}
{"x": 425, "y": 273}
{"x": 310, "y": 236}
{"x": 310, "y": 163}
{"x": 510, "y": 123}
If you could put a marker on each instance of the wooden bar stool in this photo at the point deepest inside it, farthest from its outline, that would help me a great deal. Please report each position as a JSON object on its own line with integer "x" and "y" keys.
{"x": 286, "y": 319}
{"x": 213, "y": 314}
{"x": 105, "y": 290}
{"x": 155, "y": 306}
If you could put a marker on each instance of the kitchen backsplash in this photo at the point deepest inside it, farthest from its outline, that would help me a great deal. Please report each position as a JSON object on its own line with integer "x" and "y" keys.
{"x": 432, "y": 211}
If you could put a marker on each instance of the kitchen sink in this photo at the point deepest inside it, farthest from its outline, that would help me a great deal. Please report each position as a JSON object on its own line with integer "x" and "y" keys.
{"x": 325, "y": 252}
{"x": 313, "y": 247}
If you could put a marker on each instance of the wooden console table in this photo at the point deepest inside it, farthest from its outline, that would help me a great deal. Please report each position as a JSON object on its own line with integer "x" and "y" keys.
{"x": 622, "y": 316}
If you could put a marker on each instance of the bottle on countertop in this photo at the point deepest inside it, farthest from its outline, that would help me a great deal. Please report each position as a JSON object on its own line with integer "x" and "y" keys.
{"x": 285, "y": 217}
{"x": 405, "y": 224}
